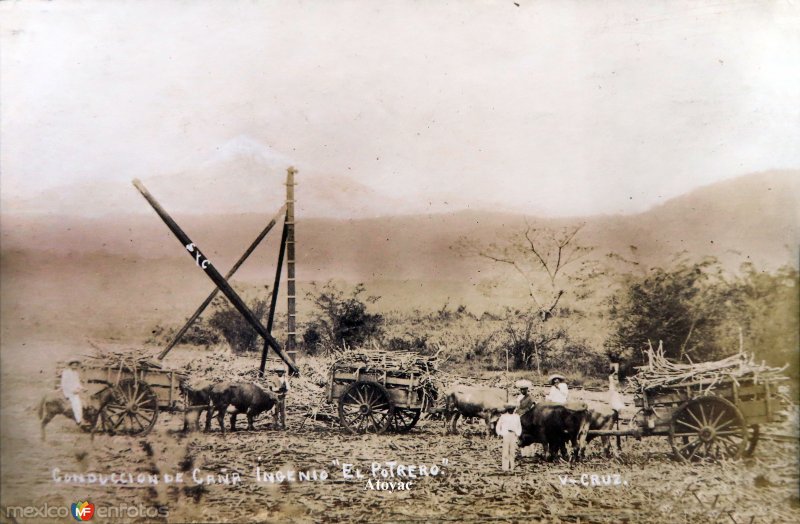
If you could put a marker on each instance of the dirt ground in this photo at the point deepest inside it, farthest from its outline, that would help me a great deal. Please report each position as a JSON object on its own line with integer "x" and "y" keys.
{"x": 643, "y": 485}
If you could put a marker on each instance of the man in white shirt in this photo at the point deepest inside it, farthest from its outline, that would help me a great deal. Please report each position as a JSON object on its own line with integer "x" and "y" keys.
{"x": 614, "y": 398}
{"x": 510, "y": 428}
{"x": 559, "y": 392}
{"x": 71, "y": 387}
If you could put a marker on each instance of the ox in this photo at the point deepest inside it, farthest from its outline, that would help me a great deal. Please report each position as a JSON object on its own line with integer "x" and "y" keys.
{"x": 604, "y": 419}
{"x": 471, "y": 401}
{"x": 553, "y": 425}
{"x": 246, "y": 398}
{"x": 198, "y": 399}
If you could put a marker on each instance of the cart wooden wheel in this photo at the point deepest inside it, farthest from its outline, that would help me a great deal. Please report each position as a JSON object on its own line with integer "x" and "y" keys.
{"x": 366, "y": 407}
{"x": 753, "y": 434}
{"x": 708, "y": 428}
{"x": 404, "y": 419}
{"x": 131, "y": 410}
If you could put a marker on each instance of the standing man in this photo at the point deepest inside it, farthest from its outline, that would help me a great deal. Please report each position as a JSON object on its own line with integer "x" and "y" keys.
{"x": 71, "y": 387}
{"x": 559, "y": 392}
{"x": 525, "y": 400}
{"x": 281, "y": 390}
{"x": 615, "y": 399}
{"x": 510, "y": 428}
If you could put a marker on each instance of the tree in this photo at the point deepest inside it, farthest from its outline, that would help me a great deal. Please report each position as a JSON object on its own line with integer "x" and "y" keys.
{"x": 765, "y": 312}
{"x": 548, "y": 260}
{"x": 664, "y": 305}
{"x": 341, "y": 318}
{"x": 700, "y": 312}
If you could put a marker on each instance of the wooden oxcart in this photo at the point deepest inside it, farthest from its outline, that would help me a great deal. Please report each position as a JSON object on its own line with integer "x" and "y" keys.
{"x": 131, "y": 393}
{"x": 705, "y": 419}
{"x": 377, "y": 392}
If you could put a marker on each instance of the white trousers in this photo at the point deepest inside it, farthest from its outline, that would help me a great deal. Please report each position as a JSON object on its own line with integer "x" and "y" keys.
{"x": 509, "y": 450}
{"x": 77, "y": 407}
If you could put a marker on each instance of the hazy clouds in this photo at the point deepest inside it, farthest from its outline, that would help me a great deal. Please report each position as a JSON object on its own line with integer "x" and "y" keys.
{"x": 559, "y": 107}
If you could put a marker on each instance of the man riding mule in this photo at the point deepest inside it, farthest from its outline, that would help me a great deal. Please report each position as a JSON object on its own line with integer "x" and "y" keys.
{"x": 70, "y": 399}
{"x": 54, "y": 403}
{"x": 72, "y": 388}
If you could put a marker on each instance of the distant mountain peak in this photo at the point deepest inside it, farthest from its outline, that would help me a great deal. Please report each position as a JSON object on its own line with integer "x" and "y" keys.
{"x": 245, "y": 146}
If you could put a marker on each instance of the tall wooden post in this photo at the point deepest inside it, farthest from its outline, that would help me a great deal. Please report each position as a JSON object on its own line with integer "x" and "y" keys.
{"x": 291, "y": 341}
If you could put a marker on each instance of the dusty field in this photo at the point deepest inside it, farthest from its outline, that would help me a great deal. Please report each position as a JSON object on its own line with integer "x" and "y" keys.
{"x": 468, "y": 488}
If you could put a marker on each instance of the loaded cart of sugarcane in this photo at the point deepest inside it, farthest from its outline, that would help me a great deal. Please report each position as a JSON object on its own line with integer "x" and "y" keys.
{"x": 375, "y": 391}
{"x": 709, "y": 411}
{"x": 133, "y": 392}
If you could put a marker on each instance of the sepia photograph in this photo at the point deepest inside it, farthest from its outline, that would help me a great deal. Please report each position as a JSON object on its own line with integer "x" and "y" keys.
{"x": 400, "y": 262}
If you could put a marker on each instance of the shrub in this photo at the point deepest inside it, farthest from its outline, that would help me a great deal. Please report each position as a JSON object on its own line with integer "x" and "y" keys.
{"x": 233, "y": 327}
{"x": 530, "y": 340}
{"x": 410, "y": 343}
{"x": 198, "y": 334}
{"x": 341, "y": 319}
{"x": 577, "y": 357}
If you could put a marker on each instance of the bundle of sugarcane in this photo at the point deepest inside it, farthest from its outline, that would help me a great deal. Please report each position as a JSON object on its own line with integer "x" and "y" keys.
{"x": 399, "y": 361}
{"x": 128, "y": 356}
{"x": 661, "y": 372}
{"x": 310, "y": 398}
{"x": 129, "y": 361}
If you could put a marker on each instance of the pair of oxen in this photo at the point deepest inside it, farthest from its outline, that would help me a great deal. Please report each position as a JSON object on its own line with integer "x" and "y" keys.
{"x": 227, "y": 397}
{"x": 550, "y": 424}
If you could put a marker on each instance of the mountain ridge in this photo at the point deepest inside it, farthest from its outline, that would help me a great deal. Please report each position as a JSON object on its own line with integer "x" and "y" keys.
{"x": 763, "y": 207}
{"x": 123, "y": 274}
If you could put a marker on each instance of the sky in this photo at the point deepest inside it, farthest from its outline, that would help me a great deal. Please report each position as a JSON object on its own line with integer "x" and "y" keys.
{"x": 556, "y": 108}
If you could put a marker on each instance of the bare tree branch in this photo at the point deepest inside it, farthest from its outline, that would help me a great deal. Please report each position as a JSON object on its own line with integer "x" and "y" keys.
{"x": 535, "y": 251}
{"x": 540, "y": 256}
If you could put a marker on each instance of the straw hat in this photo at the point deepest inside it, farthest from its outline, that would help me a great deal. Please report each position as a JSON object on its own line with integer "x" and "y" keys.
{"x": 510, "y": 406}
{"x": 73, "y": 360}
{"x": 523, "y": 384}
{"x": 552, "y": 378}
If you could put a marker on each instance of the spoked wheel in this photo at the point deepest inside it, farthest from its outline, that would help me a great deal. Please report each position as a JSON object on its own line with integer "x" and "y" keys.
{"x": 366, "y": 407}
{"x": 131, "y": 410}
{"x": 708, "y": 428}
{"x": 753, "y": 433}
{"x": 404, "y": 419}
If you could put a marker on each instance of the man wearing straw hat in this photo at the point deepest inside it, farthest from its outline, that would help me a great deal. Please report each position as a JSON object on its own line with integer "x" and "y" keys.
{"x": 559, "y": 392}
{"x": 71, "y": 387}
{"x": 525, "y": 400}
{"x": 510, "y": 428}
